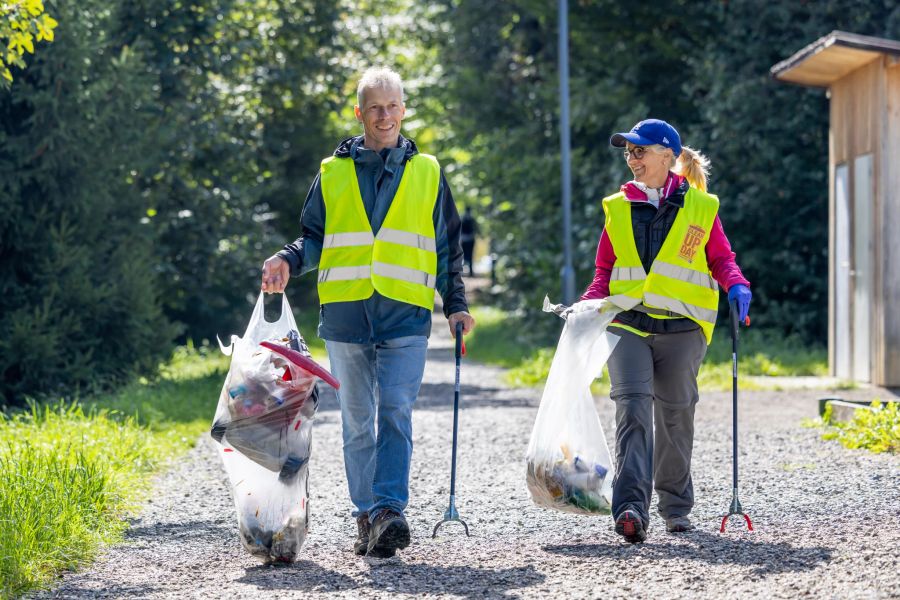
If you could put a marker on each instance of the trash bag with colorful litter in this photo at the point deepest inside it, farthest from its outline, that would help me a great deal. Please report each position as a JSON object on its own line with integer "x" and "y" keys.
{"x": 263, "y": 425}
{"x": 568, "y": 463}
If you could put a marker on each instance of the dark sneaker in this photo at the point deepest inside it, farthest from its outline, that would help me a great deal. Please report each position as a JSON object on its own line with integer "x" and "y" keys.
{"x": 678, "y": 524}
{"x": 389, "y": 533}
{"x": 362, "y": 535}
{"x": 630, "y": 525}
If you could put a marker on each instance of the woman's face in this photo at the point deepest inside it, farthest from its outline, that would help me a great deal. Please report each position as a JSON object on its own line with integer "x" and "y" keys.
{"x": 648, "y": 166}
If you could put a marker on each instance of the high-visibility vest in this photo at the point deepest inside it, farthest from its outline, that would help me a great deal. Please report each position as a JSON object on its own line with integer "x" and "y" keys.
{"x": 401, "y": 261}
{"x": 679, "y": 283}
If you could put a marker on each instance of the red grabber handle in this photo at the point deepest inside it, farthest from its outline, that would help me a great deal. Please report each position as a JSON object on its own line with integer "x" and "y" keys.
{"x": 746, "y": 518}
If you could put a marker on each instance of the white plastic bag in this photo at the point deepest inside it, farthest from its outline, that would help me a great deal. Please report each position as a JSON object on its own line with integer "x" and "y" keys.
{"x": 569, "y": 466}
{"x": 263, "y": 424}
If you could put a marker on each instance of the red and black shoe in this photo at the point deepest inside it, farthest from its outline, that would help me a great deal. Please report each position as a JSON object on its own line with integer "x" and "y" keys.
{"x": 630, "y": 526}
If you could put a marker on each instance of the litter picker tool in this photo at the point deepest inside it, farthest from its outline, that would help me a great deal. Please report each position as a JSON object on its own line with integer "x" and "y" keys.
{"x": 451, "y": 513}
{"x": 735, "y": 508}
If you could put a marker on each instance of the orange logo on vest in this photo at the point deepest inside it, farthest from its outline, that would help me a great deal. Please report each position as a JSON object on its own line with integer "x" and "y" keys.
{"x": 692, "y": 240}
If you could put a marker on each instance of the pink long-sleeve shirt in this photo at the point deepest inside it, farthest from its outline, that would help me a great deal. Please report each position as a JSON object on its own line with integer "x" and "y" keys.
{"x": 719, "y": 255}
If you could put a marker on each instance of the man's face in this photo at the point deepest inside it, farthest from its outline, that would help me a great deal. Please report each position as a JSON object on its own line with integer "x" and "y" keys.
{"x": 381, "y": 116}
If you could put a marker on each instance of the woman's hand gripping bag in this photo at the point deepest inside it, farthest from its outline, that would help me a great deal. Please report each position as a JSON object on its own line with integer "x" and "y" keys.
{"x": 568, "y": 463}
{"x": 263, "y": 425}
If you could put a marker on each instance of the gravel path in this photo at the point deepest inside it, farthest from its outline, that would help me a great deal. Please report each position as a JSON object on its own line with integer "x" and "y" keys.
{"x": 827, "y": 519}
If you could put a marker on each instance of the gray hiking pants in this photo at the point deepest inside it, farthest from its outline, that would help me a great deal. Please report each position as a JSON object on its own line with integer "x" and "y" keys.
{"x": 655, "y": 378}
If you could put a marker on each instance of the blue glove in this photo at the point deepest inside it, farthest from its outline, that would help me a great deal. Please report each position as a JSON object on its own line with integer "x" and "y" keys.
{"x": 740, "y": 293}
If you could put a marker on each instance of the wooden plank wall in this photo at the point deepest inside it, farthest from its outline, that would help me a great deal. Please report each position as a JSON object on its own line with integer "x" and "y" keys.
{"x": 857, "y": 120}
{"x": 890, "y": 230}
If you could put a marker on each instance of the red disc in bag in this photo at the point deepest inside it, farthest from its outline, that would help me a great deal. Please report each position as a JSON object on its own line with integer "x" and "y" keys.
{"x": 304, "y": 362}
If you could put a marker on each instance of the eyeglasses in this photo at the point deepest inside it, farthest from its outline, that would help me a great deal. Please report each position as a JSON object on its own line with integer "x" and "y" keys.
{"x": 637, "y": 153}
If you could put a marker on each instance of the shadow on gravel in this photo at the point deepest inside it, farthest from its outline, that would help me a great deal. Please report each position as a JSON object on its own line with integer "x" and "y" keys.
{"x": 301, "y": 575}
{"x": 397, "y": 577}
{"x": 767, "y": 557}
{"x": 464, "y": 581}
{"x": 188, "y": 529}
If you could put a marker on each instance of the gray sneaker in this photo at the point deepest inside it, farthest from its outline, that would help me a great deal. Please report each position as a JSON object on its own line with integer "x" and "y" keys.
{"x": 678, "y": 524}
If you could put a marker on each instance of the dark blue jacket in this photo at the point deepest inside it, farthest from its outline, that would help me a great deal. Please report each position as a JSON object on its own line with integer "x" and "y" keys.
{"x": 379, "y": 318}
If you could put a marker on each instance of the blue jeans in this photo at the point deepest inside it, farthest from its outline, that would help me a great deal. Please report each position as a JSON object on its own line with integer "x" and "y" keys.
{"x": 377, "y": 459}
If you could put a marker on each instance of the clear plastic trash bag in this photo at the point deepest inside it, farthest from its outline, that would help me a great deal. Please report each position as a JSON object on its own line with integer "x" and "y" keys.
{"x": 568, "y": 462}
{"x": 263, "y": 425}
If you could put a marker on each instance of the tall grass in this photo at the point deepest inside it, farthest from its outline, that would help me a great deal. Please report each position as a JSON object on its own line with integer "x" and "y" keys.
{"x": 71, "y": 472}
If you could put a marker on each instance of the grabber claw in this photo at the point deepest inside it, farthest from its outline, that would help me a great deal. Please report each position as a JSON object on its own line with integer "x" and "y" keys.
{"x": 450, "y": 515}
{"x": 736, "y": 509}
{"x": 746, "y": 518}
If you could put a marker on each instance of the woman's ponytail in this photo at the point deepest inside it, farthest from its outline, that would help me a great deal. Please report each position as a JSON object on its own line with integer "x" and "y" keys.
{"x": 693, "y": 166}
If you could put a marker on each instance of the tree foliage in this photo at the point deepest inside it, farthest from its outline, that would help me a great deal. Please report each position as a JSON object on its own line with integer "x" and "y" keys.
{"x": 144, "y": 158}
{"x": 242, "y": 93}
{"x": 159, "y": 150}
{"x": 702, "y": 66}
{"x": 78, "y": 302}
{"x": 22, "y": 23}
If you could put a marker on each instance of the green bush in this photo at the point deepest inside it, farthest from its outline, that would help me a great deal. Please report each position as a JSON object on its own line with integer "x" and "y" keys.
{"x": 875, "y": 430}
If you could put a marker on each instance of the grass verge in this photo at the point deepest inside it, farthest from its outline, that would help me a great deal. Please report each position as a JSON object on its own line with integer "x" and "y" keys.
{"x": 71, "y": 472}
{"x": 876, "y": 430}
{"x": 503, "y": 339}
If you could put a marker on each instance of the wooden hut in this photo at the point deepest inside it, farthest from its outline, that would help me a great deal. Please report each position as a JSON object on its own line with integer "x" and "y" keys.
{"x": 862, "y": 77}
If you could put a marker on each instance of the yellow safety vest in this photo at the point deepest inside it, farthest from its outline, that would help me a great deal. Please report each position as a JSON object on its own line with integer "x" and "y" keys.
{"x": 679, "y": 283}
{"x": 401, "y": 261}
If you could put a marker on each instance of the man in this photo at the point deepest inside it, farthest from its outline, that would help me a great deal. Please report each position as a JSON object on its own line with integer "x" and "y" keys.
{"x": 381, "y": 226}
{"x": 468, "y": 229}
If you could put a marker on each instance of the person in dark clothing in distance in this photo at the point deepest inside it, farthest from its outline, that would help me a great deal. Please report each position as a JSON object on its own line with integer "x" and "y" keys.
{"x": 468, "y": 229}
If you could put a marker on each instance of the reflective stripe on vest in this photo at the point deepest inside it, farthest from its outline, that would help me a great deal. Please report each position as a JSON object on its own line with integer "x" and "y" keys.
{"x": 344, "y": 273}
{"x": 406, "y": 238}
{"x": 687, "y": 275}
{"x": 697, "y": 313}
{"x": 404, "y": 274}
{"x": 350, "y": 238}
{"x": 628, "y": 273}
{"x": 679, "y": 282}
{"x": 401, "y": 261}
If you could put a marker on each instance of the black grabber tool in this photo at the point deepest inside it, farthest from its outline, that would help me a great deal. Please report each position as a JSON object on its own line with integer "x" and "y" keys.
{"x": 451, "y": 513}
{"x": 735, "y": 508}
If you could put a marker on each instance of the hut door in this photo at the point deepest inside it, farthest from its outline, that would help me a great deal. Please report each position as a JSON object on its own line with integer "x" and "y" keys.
{"x": 842, "y": 273}
{"x": 863, "y": 282}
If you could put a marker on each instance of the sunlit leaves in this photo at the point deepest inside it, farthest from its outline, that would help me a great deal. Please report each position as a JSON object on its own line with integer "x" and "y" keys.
{"x": 22, "y": 23}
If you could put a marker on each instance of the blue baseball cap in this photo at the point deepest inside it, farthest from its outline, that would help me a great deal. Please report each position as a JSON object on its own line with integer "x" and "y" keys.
{"x": 647, "y": 133}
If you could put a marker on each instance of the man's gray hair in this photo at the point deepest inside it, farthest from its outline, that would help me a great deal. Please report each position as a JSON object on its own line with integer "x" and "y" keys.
{"x": 378, "y": 77}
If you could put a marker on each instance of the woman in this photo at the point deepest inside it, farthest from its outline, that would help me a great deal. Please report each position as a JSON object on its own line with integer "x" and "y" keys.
{"x": 660, "y": 257}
